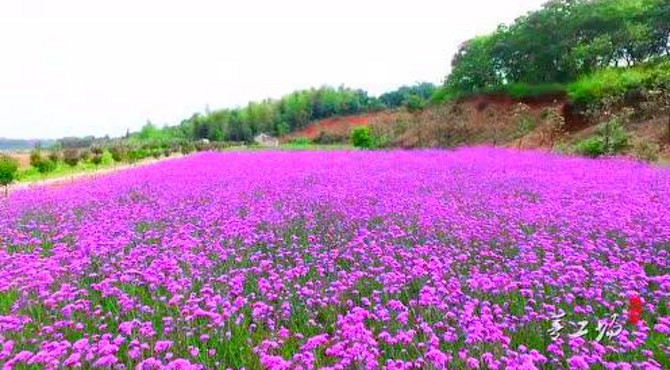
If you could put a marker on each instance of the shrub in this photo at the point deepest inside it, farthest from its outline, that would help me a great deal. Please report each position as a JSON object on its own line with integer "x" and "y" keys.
{"x": 299, "y": 141}
{"x": 84, "y": 155}
{"x": 615, "y": 138}
{"x": 514, "y": 90}
{"x": 610, "y": 138}
{"x": 107, "y": 159}
{"x": 47, "y": 166}
{"x": 329, "y": 138}
{"x": 137, "y": 154}
{"x": 555, "y": 122}
{"x": 186, "y": 148}
{"x": 618, "y": 82}
{"x": 71, "y": 156}
{"x": 524, "y": 120}
{"x": 202, "y": 145}
{"x": 96, "y": 155}
{"x": 54, "y": 156}
{"x": 415, "y": 103}
{"x": 592, "y": 147}
{"x": 36, "y": 158}
{"x": 134, "y": 155}
{"x": 42, "y": 164}
{"x": 9, "y": 168}
{"x": 522, "y": 90}
{"x": 646, "y": 151}
{"x": 361, "y": 137}
{"x": 119, "y": 153}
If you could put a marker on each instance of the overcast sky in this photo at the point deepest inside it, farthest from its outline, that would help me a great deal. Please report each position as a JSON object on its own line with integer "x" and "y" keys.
{"x": 88, "y": 67}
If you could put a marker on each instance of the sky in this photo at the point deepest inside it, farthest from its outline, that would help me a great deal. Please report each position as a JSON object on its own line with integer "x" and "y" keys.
{"x": 90, "y": 67}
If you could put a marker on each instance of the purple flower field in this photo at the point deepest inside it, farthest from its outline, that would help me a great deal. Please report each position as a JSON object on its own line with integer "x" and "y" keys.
{"x": 341, "y": 260}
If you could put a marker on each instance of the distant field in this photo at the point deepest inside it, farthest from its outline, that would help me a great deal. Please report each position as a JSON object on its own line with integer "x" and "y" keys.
{"x": 341, "y": 259}
{"x": 23, "y": 158}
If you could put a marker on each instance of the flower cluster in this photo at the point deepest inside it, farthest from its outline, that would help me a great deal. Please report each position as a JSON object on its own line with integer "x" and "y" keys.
{"x": 339, "y": 260}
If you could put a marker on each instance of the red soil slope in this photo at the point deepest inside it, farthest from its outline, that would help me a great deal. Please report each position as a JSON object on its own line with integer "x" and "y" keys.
{"x": 338, "y": 126}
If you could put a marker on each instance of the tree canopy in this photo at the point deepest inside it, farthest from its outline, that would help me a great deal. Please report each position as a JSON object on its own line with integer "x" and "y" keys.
{"x": 562, "y": 41}
{"x": 289, "y": 113}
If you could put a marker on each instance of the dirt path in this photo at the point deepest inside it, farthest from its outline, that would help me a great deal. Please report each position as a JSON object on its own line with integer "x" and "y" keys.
{"x": 86, "y": 174}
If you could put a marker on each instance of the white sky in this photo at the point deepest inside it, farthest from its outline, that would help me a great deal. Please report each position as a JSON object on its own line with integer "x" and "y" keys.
{"x": 80, "y": 67}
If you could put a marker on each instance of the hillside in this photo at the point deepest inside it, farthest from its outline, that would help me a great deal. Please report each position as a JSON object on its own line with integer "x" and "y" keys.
{"x": 489, "y": 119}
{"x": 337, "y": 128}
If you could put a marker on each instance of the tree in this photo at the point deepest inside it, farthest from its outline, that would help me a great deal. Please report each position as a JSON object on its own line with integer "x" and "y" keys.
{"x": 150, "y": 132}
{"x": 361, "y": 137}
{"x": 415, "y": 103}
{"x": 401, "y": 97}
{"x": 96, "y": 155}
{"x": 9, "y": 168}
{"x": 658, "y": 101}
{"x": 524, "y": 121}
{"x": 119, "y": 152}
{"x": 42, "y": 164}
{"x": 71, "y": 156}
{"x": 562, "y": 41}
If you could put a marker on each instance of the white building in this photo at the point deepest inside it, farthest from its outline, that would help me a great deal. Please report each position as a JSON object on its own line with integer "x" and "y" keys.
{"x": 266, "y": 140}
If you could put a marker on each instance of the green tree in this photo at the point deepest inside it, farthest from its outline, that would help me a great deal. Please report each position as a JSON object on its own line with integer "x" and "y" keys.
{"x": 562, "y": 41}
{"x": 96, "y": 155}
{"x": 71, "y": 156}
{"x": 41, "y": 163}
{"x": 9, "y": 168}
{"x": 361, "y": 137}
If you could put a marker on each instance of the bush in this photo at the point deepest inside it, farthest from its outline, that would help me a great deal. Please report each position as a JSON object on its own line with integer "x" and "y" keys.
{"x": 592, "y": 147}
{"x": 615, "y": 138}
{"x": 299, "y": 141}
{"x": 514, "y": 90}
{"x": 42, "y": 164}
{"x": 71, "y": 157}
{"x": 523, "y": 119}
{"x": 618, "y": 82}
{"x": 119, "y": 153}
{"x": 54, "y": 156}
{"x": 186, "y": 148}
{"x": 361, "y": 137}
{"x": 202, "y": 145}
{"x": 96, "y": 155}
{"x": 647, "y": 151}
{"x": 84, "y": 155}
{"x": 328, "y": 138}
{"x": 415, "y": 103}
{"x": 137, "y": 154}
{"x": 9, "y": 168}
{"x": 36, "y": 158}
{"x": 610, "y": 138}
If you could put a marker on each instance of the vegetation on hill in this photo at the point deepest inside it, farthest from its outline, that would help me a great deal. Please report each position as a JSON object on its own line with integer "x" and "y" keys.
{"x": 407, "y": 95}
{"x": 287, "y": 114}
{"x": 567, "y": 39}
{"x": 610, "y": 82}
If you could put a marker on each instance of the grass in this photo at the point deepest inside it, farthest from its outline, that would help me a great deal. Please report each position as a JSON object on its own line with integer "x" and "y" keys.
{"x": 614, "y": 81}
{"x": 515, "y": 90}
{"x": 63, "y": 170}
